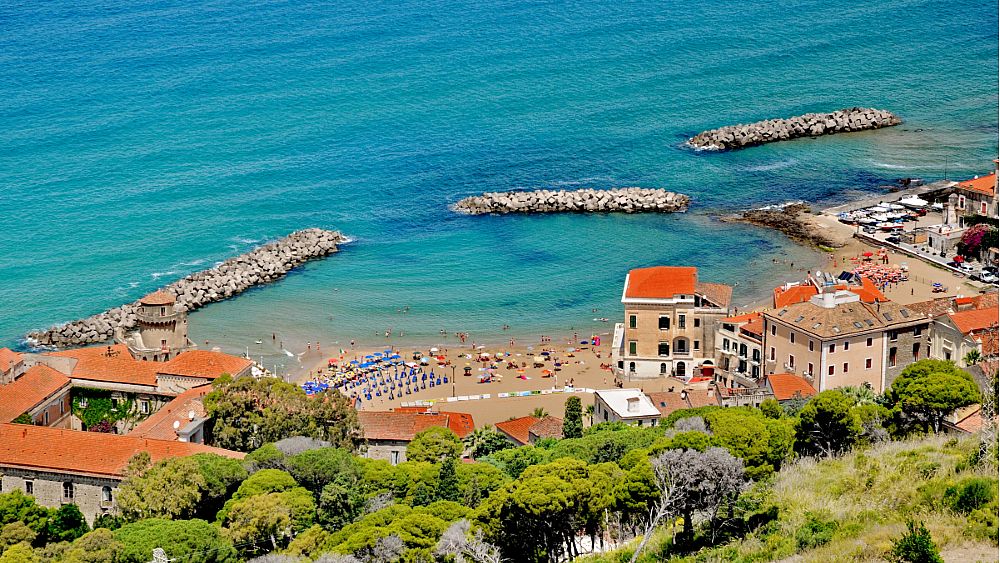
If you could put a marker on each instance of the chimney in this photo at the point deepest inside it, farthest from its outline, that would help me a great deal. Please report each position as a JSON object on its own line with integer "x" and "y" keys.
{"x": 633, "y": 404}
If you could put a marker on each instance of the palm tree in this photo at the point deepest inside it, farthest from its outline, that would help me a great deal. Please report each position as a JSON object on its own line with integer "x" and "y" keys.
{"x": 539, "y": 412}
{"x": 590, "y": 412}
{"x": 861, "y": 395}
{"x": 972, "y": 358}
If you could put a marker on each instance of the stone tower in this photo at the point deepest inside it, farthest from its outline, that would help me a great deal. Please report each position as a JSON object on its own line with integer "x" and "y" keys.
{"x": 161, "y": 331}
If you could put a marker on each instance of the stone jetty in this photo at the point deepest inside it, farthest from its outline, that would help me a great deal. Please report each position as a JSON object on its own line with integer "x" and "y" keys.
{"x": 618, "y": 200}
{"x": 735, "y": 137}
{"x": 261, "y": 265}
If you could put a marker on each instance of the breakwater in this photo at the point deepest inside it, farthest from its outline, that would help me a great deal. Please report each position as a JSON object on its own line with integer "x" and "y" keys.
{"x": 734, "y": 137}
{"x": 618, "y": 200}
{"x": 261, "y": 265}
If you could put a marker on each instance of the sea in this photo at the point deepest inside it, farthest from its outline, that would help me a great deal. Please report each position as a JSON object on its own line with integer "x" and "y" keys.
{"x": 145, "y": 140}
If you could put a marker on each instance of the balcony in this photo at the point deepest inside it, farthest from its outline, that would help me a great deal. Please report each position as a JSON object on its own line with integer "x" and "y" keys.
{"x": 157, "y": 318}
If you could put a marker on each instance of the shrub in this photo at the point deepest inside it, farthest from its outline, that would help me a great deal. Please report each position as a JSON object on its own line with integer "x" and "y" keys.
{"x": 915, "y": 546}
{"x": 815, "y": 532}
{"x": 969, "y": 495}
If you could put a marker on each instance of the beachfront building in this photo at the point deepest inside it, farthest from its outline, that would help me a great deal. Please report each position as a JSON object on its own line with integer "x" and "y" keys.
{"x": 670, "y": 320}
{"x": 836, "y": 340}
{"x": 630, "y": 406}
{"x": 739, "y": 345}
{"x": 161, "y": 330}
{"x": 58, "y": 466}
{"x": 41, "y": 396}
{"x": 387, "y": 433}
{"x": 11, "y": 365}
{"x": 183, "y": 419}
{"x": 961, "y": 325}
{"x": 529, "y": 429}
{"x": 978, "y": 196}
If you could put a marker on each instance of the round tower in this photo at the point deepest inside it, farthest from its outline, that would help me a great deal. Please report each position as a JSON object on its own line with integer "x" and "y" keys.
{"x": 161, "y": 330}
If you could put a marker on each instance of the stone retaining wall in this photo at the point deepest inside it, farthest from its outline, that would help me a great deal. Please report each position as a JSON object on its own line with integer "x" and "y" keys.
{"x": 259, "y": 266}
{"x": 734, "y": 137}
{"x": 619, "y": 200}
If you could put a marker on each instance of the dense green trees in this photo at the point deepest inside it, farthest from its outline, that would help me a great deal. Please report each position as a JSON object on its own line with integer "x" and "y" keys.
{"x": 433, "y": 445}
{"x": 929, "y": 390}
{"x": 485, "y": 441}
{"x": 249, "y": 412}
{"x": 185, "y": 540}
{"x": 827, "y": 425}
{"x": 573, "y": 419}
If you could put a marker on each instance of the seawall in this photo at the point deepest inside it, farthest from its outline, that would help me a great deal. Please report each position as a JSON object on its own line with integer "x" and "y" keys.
{"x": 618, "y": 200}
{"x": 733, "y": 137}
{"x": 261, "y": 265}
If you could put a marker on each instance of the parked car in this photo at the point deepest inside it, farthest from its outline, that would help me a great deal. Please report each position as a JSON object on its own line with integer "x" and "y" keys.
{"x": 893, "y": 239}
{"x": 988, "y": 277}
{"x": 966, "y": 267}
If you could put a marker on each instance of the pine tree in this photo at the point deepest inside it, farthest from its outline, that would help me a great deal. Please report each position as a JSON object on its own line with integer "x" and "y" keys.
{"x": 448, "y": 481}
{"x": 573, "y": 422}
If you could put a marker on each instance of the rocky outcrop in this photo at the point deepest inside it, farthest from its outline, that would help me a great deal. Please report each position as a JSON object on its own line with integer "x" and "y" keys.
{"x": 619, "y": 200}
{"x": 794, "y": 220}
{"x": 259, "y": 266}
{"x": 734, "y": 137}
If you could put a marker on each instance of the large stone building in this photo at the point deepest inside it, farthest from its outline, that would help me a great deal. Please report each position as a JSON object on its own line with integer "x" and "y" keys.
{"x": 58, "y": 466}
{"x": 836, "y": 340}
{"x": 962, "y": 325}
{"x": 978, "y": 196}
{"x": 387, "y": 433}
{"x": 739, "y": 345}
{"x": 42, "y": 395}
{"x": 161, "y": 330}
{"x": 670, "y": 320}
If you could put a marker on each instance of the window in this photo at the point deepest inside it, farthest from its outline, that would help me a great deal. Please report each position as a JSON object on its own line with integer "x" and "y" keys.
{"x": 681, "y": 321}
{"x": 640, "y": 423}
{"x": 106, "y": 494}
{"x": 163, "y": 344}
{"x": 791, "y": 362}
{"x": 812, "y": 345}
{"x": 631, "y": 321}
{"x": 144, "y": 407}
{"x": 845, "y": 367}
{"x": 829, "y": 370}
{"x": 62, "y": 407}
{"x": 663, "y": 369}
{"x": 631, "y": 347}
{"x": 869, "y": 342}
{"x": 394, "y": 457}
{"x": 697, "y": 345}
{"x": 664, "y": 323}
{"x": 947, "y": 354}
{"x": 893, "y": 335}
{"x": 961, "y": 202}
{"x": 631, "y": 367}
{"x": 982, "y": 208}
{"x": 774, "y": 330}
{"x": 680, "y": 346}
{"x": 725, "y": 363}
{"x": 163, "y": 311}
{"x": 725, "y": 344}
{"x": 46, "y": 418}
{"x": 67, "y": 491}
{"x": 605, "y": 416}
{"x": 918, "y": 330}
{"x": 663, "y": 349}
{"x": 743, "y": 350}
{"x": 791, "y": 337}
{"x": 868, "y": 363}
{"x": 810, "y": 371}
{"x": 916, "y": 351}
{"x": 833, "y": 348}
{"x": 756, "y": 355}
{"x": 772, "y": 353}
{"x": 847, "y": 345}
{"x": 697, "y": 322}
{"x": 892, "y": 357}
{"x": 29, "y": 487}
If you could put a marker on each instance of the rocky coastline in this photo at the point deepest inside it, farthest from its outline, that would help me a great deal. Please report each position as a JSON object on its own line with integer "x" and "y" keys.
{"x": 794, "y": 220}
{"x": 618, "y": 200}
{"x": 734, "y": 137}
{"x": 261, "y": 265}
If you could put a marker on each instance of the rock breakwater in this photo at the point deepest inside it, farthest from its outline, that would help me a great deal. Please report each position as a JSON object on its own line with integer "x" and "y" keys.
{"x": 261, "y": 265}
{"x": 734, "y": 137}
{"x": 618, "y": 200}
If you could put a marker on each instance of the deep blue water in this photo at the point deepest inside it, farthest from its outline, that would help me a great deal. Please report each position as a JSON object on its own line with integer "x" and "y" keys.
{"x": 145, "y": 140}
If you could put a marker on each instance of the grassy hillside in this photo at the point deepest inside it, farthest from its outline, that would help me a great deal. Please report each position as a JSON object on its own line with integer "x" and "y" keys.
{"x": 852, "y": 508}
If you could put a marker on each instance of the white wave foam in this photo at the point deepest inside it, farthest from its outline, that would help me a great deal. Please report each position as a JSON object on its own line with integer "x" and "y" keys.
{"x": 158, "y": 275}
{"x": 772, "y": 165}
{"x": 879, "y": 164}
{"x": 193, "y": 263}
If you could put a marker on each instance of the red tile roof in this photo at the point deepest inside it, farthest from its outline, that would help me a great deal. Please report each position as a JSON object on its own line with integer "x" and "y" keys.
{"x": 8, "y": 358}
{"x": 403, "y": 426}
{"x": 89, "y": 453}
{"x": 204, "y": 363}
{"x": 972, "y": 423}
{"x": 517, "y": 428}
{"x": 974, "y": 319}
{"x": 788, "y": 386}
{"x": 159, "y": 297}
{"x": 160, "y": 425}
{"x": 661, "y": 282}
{"x": 28, "y": 391}
{"x": 985, "y": 184}
{"x": 111, "y": 364}
{"x": 755, "y": 326}
{"x": 667, "y": 402}
{"x": 547, "y": 427}
{"x": 718, "y": 293}
{"x": 867, "y": 291}
{"x": 988, "y": 342}
{"x": 741, "y": 318}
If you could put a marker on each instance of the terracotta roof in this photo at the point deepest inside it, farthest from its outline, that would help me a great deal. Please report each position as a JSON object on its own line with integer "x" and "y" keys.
{"x": 159, "y": 297}
{"x": 8, "y": 358}
{"x": 788, "y": 386}
{"x": 160, "y": 425}
{"x": 90, "y": 453}
{"x": 403, "y": 426}
{"x": 28, "y": 391}
{"x": 974, "y": 319}
{"x": 204, "y": 363}
{"x": 985, "y": 184}
{"x": 667, "y": 402}
{"x": 988, "y": 341}
{"x": 718, "y": 293}
{"x": 845, "y": 318}
{"x": 547, "y": 427}
{"x": 972, "y": 422}
{"x": 661, "y": 282}
{"x": 741, "y": 318}
{"x": 943, "y": 305}
{"x": 517, "y": 428}
{"x": 867, "y": 291}
{"x": 755, "y": 326}
{"x": 110, "y": 363}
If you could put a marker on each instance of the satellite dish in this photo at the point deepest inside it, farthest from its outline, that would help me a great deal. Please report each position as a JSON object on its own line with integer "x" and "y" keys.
{"x": 190, "y": 415}
{"x": 177, "y": 424}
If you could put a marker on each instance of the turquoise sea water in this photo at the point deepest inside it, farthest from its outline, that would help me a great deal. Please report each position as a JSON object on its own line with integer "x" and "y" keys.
{"x": 146, "y": 140}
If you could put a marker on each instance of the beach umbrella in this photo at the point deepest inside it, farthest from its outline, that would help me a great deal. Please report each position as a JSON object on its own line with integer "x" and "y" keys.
{"x": 868, "y": 254}
{"x": 958, "y": 259}
{"x": 434, "y": 350}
